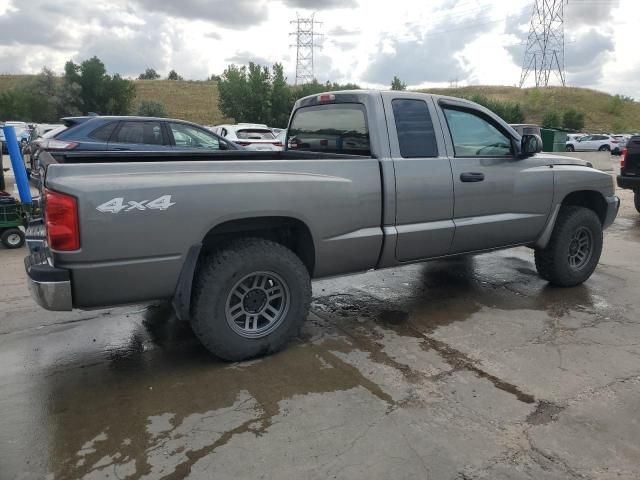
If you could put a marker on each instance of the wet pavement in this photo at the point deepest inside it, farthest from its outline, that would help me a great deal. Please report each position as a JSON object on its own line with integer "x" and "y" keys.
{"x": 466, "y": 369}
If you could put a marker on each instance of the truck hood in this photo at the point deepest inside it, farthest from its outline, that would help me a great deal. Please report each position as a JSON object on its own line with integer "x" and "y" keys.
{"x": 562, "y": 160}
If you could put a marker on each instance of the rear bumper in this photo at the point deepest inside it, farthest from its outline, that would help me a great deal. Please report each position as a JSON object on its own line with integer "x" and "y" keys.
{"x": 50, "y": 287}
{"x": 613, "y": 205}
{"x": 631, "y": 183}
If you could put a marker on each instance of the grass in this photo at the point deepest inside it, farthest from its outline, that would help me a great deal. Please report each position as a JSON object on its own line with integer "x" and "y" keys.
{"x": 197, "y": 101}
{"x": 188, "y": 100}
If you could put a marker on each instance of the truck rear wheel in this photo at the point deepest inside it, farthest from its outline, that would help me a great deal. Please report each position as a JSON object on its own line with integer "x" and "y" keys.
{"x": 12, "y": 238}
{"x": 249, "y": 299}
{"x": 574, "y": 249}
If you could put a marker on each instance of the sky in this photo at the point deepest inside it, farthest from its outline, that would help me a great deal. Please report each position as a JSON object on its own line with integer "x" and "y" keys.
{"x": 426, "y": 43}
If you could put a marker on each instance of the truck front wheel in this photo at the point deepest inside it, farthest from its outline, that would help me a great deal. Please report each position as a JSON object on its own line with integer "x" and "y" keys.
{"x": 574, "y": 249}
{"x": 249, "y": 299}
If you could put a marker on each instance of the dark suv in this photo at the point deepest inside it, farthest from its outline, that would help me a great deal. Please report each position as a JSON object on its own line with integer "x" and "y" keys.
{"x": 97, "y": 133}
{"x": 630, "y": 169}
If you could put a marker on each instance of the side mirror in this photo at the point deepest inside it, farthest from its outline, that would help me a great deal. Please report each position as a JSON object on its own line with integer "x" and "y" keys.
{"x": 531, "y": 144}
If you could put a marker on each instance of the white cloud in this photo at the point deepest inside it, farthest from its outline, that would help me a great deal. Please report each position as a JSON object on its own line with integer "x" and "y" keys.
{"x": 425, "y": 43}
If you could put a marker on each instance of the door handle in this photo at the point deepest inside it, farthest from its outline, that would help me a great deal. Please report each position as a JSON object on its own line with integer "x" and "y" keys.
{"x": 121, "y": 148}
{"x": 471, "y": 177}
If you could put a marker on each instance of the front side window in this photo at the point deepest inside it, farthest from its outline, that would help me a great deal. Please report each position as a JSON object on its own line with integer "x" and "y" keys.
{"x": 473, "y": 136}
{"x": 187, "y": 136}
{"x": 140, "y": 133}
{"x": 333, "y": 128}
{"x": 416, "y": 136}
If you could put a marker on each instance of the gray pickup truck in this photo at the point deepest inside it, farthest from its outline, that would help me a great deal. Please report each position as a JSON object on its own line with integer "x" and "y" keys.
{"x": 369, "y": 180}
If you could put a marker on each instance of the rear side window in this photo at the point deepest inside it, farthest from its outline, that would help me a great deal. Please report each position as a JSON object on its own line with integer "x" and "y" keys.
{"x": 103, "y": 132}
{"x": 255, "y": 134}
{"x": 334, "y": 128}
{"x": 142, "y": 133}
{"x": 416, "y": 136}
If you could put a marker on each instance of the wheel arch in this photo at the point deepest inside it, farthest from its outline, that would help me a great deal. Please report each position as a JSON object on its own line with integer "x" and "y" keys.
{"x": 591, "y": 199}
{"x": 291, "y": 232}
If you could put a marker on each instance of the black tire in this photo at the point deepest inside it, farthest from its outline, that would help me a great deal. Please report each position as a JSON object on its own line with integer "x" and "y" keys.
{"x": 220, "y": 274}
{"x": 636, "y": 199}
{"x": 12, "y": 238}
{"x": 604, "y": 148}
{"x": 569, "y": 148}
{"x": 553, "y": 262}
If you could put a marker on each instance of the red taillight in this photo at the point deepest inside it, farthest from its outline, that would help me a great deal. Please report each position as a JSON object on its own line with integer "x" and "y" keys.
{"x": 61, "y": 217}
{"x": 326, "y": 97}
{"x": 60, "y": 145}
{"x": 278, "y": 144}
{"x": 623, "y": 158}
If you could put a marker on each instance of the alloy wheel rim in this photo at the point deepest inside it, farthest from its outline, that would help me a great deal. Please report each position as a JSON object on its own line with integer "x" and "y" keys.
{"x": 257, "y": 304}
{"x": 580, "y": 248}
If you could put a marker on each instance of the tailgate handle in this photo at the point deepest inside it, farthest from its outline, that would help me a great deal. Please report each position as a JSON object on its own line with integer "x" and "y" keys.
{"x": 471, "y": 177}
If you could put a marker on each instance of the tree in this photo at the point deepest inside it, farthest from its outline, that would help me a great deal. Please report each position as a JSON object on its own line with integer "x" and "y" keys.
{"x": 280, "y": 97}
{"x": 88, "y": 88}
{"x": 214, "y": 77}
{"x": 232, "y": 92}
{"x": 397, "y": 84}
{"x": 573, "y": 119}
{"x": 510, "y": 112}
{"x": 120, "y": 95}
{"x": 149, "y": 74}
{"x": 151, "y": 108}
{"x": 551, "y": 119}
{"x": 258, "y": 107}
{"x": 173, "y": 75}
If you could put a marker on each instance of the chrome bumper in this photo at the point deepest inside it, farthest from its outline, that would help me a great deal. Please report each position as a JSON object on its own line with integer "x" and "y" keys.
{"x": 50, "y": 287}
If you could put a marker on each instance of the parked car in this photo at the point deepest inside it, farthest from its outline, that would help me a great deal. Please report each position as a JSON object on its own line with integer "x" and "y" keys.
{"x": 629, "y": 177}
{"x": 22, "y": 130}
{"x": 252, "y": 136}
{"x": 235, "y": 237}
{"x": 573, "y": 137}
{"x": 281, "y": 137}
{"x": 588, "y": 143}
{"x": 98, "y": 133}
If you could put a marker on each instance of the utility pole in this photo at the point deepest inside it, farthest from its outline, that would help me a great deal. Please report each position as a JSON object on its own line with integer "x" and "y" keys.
{"x": 545, "y": 44}
{"x": 306, "y": 35}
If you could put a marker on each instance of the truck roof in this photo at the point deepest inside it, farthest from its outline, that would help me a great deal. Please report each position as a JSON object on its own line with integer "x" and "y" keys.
{"x": 350, "y": 96}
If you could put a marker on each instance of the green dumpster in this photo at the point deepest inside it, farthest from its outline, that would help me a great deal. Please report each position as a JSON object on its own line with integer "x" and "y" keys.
{"x": 553, "y": 140}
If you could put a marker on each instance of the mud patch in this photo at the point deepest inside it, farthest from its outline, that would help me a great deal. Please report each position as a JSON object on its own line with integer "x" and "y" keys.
{"x": 545, "y": 412}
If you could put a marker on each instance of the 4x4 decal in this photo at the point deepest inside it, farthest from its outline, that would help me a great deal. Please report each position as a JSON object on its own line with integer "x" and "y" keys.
{"x": 118, "y": 204}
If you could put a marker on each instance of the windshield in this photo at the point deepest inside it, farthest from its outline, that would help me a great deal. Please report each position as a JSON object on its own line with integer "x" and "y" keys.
{"x": 255, "y": 134}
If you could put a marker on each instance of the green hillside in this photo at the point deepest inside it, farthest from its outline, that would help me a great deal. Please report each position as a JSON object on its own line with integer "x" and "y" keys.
{"x": 597, "y": 106}
{"x": 198, "y": 101}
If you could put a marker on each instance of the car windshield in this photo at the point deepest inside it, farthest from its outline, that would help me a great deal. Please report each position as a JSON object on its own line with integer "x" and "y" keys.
{"x": 255, "y": 134}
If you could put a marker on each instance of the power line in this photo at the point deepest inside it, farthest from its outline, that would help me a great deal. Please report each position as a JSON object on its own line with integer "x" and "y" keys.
{"x": 306, "y": 35}
{"x": 544, "y": 53}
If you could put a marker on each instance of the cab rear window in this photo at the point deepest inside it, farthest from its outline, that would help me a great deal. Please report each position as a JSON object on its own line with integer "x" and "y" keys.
{"x": 334, "y": 128}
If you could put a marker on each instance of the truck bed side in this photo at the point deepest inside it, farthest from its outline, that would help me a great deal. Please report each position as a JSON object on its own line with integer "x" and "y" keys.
{"x": 137, "y": 253}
